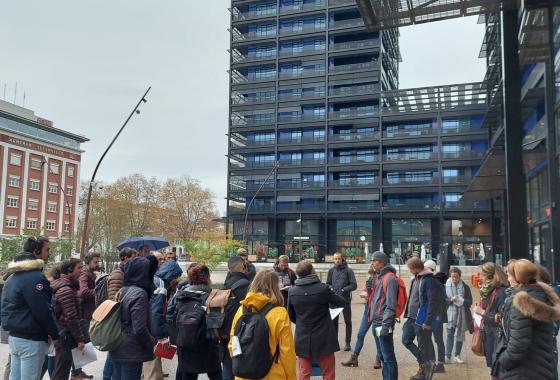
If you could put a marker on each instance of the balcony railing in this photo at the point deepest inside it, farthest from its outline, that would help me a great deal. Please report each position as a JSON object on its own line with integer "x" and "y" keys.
{"x": 464, "y": 154}
{"x": 353, "y": 206}
{"x": 411, "y": 206}
{"x": 354, "y": 45}
{"x": 456, "y": 180}
{"x": 259, "y": 164}
{"x": 410, "y": 156}
{"x": 300, "y": 117}
{"x": 461, "y": 129}
{"x": 304, "y": 50}
{"x": 299, "y": 207}
{"x": 353, "y": 67}
{"x": 301, "y": 95}
{"x": 354, "y": 136}
{"x": 300, "y": 140}
{"x": 305, "y": 29}
{"x": 241, "y": 122}
{"x": 354, "y": 182}
{"x": 410, "y": 181}
{"x": 243, "y": 186}
{"x": 238, "y": 36}
{"x": 260, "y": 142}
{"x": 410, "y": 133}
{"x": 354, "y": 90}
{"x": 348, "y": 114}
{"x": 303, "y": 162}
{"x": 301, "y": 7}
{"x": 333, "y": 3}
{"x": 240, "y": 100}
{"x": 243, "y": 58}
{"x": 476, "y": 205}
{"x": 242, "y": 16}
{"x": 343, "y": 160}
{"x": 301, "y": 73}
{"x": 299, "y": 184}
{"x": 347, "y": 23}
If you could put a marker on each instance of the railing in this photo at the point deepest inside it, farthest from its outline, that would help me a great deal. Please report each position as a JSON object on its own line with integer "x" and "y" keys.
{"x": 477, "y": 205}
{"x": 410, "y": 181}
{"x": 410, "y": 156}
{"x": 354, "y": 44}
{"x": 353, "y": 67}
{"x": 455, "y": 180}
{"x": 242, "y": 16}
{"x": 354, "y": 136}
{"x": 299, "y": 207}
{"x": 341, "y": 2}
{"x": 302, "y": 162}
{"x": 259, "y": 164}
{"x": 239, "y": 100}
{"x": 352, "y": 160}
{"x": 299, "y": 184}
{"x": 302, "y": 7}
{"x": 411, "y": 206}
{"x": 464, "y": 154}
{"x": 260, "y": 142}
{"x": 353, "y": 90}
{"x": 353, "y": 206}
{"x": 240, "y": 122}
{"x": 410, "y": 133}
{"x": 354, "y": 182}
{"x": 241, "y": 58}
{"x": 303, "y": 139}
{"x": 301, "y": 73}
{"x": 304, "y": 50}
{"x": 461, "y": 129}
{"x": 300, "y": 117}
{"x": 305, "y": 29}
{"x": 347, "y": 23}
{"x": 301, "y": 95}
{"x": 242, "y": 186}
{"x": 239, "y": 36}
{"x": 369, "y": 112}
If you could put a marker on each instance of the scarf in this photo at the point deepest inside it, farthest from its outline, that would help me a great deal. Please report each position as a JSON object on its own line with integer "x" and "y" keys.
{"x": 456, "y": 316}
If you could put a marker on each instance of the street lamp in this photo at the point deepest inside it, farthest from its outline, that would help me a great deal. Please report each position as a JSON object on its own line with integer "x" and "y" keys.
{"x": 92, "y": 180}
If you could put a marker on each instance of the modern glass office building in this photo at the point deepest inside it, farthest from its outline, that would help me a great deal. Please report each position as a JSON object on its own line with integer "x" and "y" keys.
{"x": 327, "y": 154}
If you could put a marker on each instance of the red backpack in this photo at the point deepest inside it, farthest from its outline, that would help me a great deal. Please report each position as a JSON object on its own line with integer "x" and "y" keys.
{"x": 401, "y": 293}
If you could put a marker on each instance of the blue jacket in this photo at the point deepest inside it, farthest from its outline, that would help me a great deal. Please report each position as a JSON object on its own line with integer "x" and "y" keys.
{"x": 432, "y": 296}
{"x": 27, "y": 301}
{"x": 158, "y": 303}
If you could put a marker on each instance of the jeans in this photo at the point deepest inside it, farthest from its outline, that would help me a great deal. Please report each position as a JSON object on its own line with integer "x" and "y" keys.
{"x": 408, "y": 336}
{"x": 108, "y": 368}
{"x": 347, "y": 314}
{"x": 27, "y": 357}
{"x": 227, "y": 371}
{"x": 386, "y": 347}
{"x": 438, "y": 337}
{"x": 127, "y": 371}
{"x": 364, "y": 328}
{"x": 451, "y": 341}
{"x": 425, "y": 343}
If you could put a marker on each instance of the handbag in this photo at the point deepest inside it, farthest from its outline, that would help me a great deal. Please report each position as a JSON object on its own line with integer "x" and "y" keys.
{"x": 165, "y": 350}
{"x": 477, "y": 342}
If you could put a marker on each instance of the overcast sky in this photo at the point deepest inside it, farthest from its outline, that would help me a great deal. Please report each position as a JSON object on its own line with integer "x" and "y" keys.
{"x": 84, "y": 64}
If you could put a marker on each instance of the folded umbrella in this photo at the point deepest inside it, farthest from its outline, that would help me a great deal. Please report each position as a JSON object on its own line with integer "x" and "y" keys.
{"x": 154, "y": 242}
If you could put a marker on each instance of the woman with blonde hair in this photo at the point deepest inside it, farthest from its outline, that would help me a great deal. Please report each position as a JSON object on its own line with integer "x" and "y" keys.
{"x": 526, "y": 322}
{"x": 264, "y": 290}
{"x": 492, "y": 296}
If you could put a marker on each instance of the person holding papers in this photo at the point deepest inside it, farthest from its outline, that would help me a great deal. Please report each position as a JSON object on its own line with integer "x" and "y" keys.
{"x": 459, "y": 318}
{"x": 315, "y": 336}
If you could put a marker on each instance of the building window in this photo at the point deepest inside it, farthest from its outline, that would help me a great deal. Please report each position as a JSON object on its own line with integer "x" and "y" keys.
{"x": 69, "y": 191}
{"x": 32, "y": 224}
{"x": 66, "y": 227}
{"x": 15, "y": 159}
{"x": 70, "y": 171}
{"x": 53, "y": 188}
{"x": 11, "y": 222}
{"x": 50, "y": 225}
{"x": 14, "y": 181}
{"x": 36, "y": 164}
{"x": 34, "y": 184}
{"x": 51, "y": 207}
{"x": 33, "y": 204}
{"x": 12, "y": 202}
{"x": 67, "y": 209}
{"x": 54, "y": 168}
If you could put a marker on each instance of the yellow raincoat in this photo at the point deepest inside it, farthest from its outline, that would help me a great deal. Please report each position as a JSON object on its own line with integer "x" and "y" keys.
{"x": 280, "y": 332}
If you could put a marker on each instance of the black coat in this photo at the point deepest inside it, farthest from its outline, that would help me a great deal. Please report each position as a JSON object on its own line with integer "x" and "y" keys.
{"x": 26, "y": 310}
{"x": 308, "y": 306}
{"x": 206, "y": 358}
{"x": 138, "y": 344}
{"x": 432, "y": 295}
{"x": 527, "y": 326}
{"x": 343, "y": 281}
{"x": 491, "y": 326}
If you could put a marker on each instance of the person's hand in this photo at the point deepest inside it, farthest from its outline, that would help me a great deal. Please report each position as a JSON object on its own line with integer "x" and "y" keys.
{"x": 478, "y": 310}
{"x": 163, "y": 340}
{"x": 384, "y": 331}
{"x": 454, "y": 299}
{"x": 81, "y": 346}
{"x": 426, "y": 327}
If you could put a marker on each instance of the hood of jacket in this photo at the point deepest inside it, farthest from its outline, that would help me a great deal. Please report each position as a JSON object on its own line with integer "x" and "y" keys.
{"x": 137, "y": 272}
{"x": 25, "y": 262}
{"x": 193, "y": 292}
{"x": 168, "y": 271}
{"x": 387, "y": 269}
{"x": 538, "y": 302}
{"x": 308, "y": 280}
{"x": 255, "y": 301}
{"x": 64, "y": 281}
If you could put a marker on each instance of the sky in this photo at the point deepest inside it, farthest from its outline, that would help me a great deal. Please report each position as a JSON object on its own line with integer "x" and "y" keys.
{"x": 85, "y": 64}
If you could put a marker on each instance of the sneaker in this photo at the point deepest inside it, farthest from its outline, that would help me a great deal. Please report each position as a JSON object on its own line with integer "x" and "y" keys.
{"x": 428, "y": 369}
{"x": 439, "y": 368}
{"x": 458, "y": 360}
{"x": 447, "y": 359}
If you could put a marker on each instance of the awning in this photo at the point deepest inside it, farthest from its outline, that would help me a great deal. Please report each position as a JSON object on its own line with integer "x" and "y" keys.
{"x": 288, "y": 198}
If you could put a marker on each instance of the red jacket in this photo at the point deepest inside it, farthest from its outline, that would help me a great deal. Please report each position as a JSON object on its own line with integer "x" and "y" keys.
{"x": 87, "y": 292}
{"x": 67, "y": 307}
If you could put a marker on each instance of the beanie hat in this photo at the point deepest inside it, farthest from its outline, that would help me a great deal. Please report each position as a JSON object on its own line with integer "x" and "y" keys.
{"x": 380, "y": 256}
{"x": 430, "y": 264}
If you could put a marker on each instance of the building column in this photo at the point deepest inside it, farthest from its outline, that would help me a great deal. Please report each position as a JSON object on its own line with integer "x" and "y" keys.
{"x": 516, "y": 202}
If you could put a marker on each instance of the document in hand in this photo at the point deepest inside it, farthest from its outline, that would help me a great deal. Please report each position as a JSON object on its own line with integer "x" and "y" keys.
{"x": 85, "y": 357}
{"x": 336, "y": 312}
{"x": 477, "y": 319}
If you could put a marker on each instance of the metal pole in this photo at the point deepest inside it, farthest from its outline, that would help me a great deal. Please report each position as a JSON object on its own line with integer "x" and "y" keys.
{"x": 300, "y": 242}
{"x": 86, "y": 218}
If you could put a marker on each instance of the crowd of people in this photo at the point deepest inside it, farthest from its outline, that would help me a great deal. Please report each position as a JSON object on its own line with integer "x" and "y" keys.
{"x": 243, "y": 329}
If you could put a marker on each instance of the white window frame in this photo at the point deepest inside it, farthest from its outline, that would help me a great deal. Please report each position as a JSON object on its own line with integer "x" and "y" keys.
{"x": 53, "y": 188}
{"x": 15, "y": 159}
{"x": 66, "y": 227}
{"x": 12, "y": 201}
{"x": 50, "y": 223}
{"x": 33, "y": 181}
{"x": 28, "y": 224}
{"x": 67, "y": 209}
{"x": 71, "y": 170}
{"x": 55, "y": 168}
{"x": 69, "y": 191}
{"x": 52, "y": 206}
{"x": 14, "y": 178}
{"x": 11, "y": 220}
{"x": 34, "y": 161}
{"x": 34, "y": 202}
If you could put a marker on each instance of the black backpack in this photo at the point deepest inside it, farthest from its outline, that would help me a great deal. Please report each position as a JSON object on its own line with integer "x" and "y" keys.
{"x": 255, "y": 359}
{"x": 190, "y": 321}
{"x": 101, "y": 291}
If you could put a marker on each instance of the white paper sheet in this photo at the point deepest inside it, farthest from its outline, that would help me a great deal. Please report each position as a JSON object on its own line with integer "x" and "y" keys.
{"x": 459, "y": 301}
{"x": 85, "y": 357}
{"x": 477, "y": 319}
{"x": 336, "y": 312}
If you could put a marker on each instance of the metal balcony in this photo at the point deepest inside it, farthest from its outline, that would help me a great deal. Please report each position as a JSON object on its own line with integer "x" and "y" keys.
{"x": 343, "y": 137}
{"x": 410, "y": 133}
{"x": 302, "y": 162}
{"x": 411, "y": 156}
{"x": 353, "y": 67}
{"x": 354, "y": 182}
{"x": 354, "y": 45}
{"x": 354, "y": 113}
{"x": 410, "y": 181}
{"x": 302, "y": 140}
{"x": 353, "y": 206}
{"x": 344, "y": 160}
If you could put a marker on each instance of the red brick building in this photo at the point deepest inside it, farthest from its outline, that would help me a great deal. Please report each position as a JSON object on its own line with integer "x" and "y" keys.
{"x": 39, "y": 171}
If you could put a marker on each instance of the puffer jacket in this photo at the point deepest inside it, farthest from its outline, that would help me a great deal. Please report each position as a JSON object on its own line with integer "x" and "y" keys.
{"x": 67, "y": 307}
{"x": 527, "y": 325}
{"x": 279, "y": 334}
{"x": 343, "y": 281}
{"x": 158, "y": 302}
{"x": 26, "y": 310}
{"x": 115, "y": 281}
{"x": 87, "y": 292}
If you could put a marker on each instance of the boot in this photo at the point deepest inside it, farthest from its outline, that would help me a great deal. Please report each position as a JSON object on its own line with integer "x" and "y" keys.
{"x": 352, "y": 362}
{"x": 377, "y": 364}
{"x": 419, "y": 375}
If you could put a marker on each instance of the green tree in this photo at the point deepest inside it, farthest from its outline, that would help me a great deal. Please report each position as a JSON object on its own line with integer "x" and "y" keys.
{"x": 211, "y": 249}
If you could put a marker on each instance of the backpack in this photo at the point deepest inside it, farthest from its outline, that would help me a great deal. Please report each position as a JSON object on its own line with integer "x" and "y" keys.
{"x": 105, "y": 329}
{"x": 190, "y": 321}
{"x": 251, "y": 331}
{"x": 101, "y": 290}
{"x": 401, "y": 294}
{"x": 221, "y": 306}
